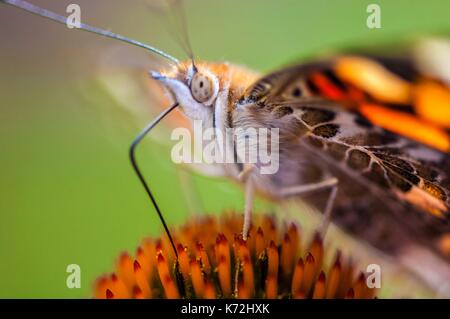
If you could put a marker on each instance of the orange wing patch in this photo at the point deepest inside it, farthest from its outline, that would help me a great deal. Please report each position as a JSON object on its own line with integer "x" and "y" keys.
{"x": 374, "y": 79}
{"x": 432, "y": 102}
{"x": 422, "y": 199}
{"x": 428, "y": 99}
{"x": 407, "y": 125}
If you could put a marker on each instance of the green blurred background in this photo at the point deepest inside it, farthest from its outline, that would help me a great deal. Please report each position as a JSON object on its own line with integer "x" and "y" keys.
{"x": 68, "y": 193}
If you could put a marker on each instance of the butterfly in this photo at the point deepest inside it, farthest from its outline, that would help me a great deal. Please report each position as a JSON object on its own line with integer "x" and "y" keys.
{"x": 368, "y": 133}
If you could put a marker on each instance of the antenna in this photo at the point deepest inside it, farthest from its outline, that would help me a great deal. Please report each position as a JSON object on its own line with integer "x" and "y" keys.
{"x": 24, "y": 5}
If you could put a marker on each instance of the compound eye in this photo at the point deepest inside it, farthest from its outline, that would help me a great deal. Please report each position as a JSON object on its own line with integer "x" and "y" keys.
{"x": 201, "y": 87}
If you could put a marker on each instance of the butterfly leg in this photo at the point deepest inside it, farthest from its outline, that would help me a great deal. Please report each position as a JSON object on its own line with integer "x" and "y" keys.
{"x": 328, "y": 210}
{"x": 330, "y": 183}
{"x": 246, "y": 177}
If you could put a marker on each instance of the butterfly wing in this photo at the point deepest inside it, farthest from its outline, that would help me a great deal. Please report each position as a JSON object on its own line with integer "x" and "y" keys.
{"x": 370, "y": 122}
{"x": 390, "y": 92}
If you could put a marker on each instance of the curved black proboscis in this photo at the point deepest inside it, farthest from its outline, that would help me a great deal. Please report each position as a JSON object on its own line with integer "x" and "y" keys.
{"x": 135, "y": 143}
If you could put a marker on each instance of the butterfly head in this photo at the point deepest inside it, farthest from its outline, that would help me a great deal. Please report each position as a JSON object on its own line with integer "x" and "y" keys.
{"x": 195, "y": 87}
{"x": 201, "y": 88}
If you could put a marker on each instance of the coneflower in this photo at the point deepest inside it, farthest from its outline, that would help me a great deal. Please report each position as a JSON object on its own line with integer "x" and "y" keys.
{"x": 215, "y": 262}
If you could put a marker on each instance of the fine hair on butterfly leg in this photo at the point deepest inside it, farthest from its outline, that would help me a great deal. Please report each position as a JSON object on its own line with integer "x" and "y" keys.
{"x": 330, "y": 183}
